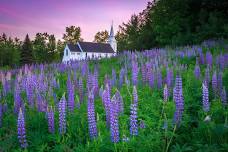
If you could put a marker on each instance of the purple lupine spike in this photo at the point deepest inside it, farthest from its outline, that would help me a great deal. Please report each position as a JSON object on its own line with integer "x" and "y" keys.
{"x": 207, "y": 75}
{"x": 80, "y": 85}
{"x": 169, "y": 78}
{"x": 159, "y": 79}
{"x": 134, "y": 72}
{"x": 150, "y": 78}
{"x": 143, "y": 70}
{"x": 70, "y": 91}
{"x": 95, "y": 82}
{"x": 206, "y": 104}
{"x": 29, "y": 93}
{"x": 21, "y": 130}
{"x": 107, "y": 101}
{"x": 133, "y": 120}
{"x": 179, "y": 100}
{"x": 220, "y": 82}
{"x": 1, "y": 114}
{"x": 114, "y": 122}
{"x": 214, "y": 83}
{"x": 133, "y": 115}
{"x": 17, "y": 98}
{"x": 51, "y": 120}
{"x": 121, "y": 77}
{"x": 119, "y": 100}
{"x": 62, "y": 115}
{"x": 89, "y": 81}
{"x": 91, "y": 116}
{"x": 209, "y": 58}
{"x": 113, "y": 81}
{"x": 197, "y": 71}
{"x": 165, "y": 93}
{"x": 39, "y": 102}
{"x": 224, "y": 97}
{"x": 135, "y": 95}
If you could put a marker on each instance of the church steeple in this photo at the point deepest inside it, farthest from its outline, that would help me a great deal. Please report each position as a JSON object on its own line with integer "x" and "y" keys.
{"x": 111, "y": 31}
{"x": 112, "y": 40}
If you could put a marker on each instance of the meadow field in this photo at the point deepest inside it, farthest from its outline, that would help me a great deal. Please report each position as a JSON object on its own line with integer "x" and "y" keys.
{"x": 163, "y": 99}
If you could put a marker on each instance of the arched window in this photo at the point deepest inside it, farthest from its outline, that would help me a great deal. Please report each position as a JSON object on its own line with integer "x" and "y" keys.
{"x": 66, "y": 52}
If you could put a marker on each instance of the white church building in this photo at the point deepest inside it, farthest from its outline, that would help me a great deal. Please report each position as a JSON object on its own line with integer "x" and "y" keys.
{"x": 91, "y": 50}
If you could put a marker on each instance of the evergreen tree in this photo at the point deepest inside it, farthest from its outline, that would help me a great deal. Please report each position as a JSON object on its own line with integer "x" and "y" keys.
{"x": 26, "y": 51}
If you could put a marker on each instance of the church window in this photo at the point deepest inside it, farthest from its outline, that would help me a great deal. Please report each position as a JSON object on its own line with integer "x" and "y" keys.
{"x": 78, "y": 53}
{"x": 66, "y": 52}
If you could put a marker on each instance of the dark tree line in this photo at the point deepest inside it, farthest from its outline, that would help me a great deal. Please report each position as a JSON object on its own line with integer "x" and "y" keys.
{"x": 174, "y": 22}
{"x": 43, "y": 49}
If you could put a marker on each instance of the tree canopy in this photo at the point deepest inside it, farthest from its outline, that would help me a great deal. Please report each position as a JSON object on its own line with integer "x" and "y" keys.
{"x": 175, "y": 22}
{"x": 101, "y": 36}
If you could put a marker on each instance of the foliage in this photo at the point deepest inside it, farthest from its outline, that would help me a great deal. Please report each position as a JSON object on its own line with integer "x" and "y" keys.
{"x": 72, "y": 35}
{"x": 26, "y": 51}
{"x": 175, "y": 22}
{"x": 101, "y": 36}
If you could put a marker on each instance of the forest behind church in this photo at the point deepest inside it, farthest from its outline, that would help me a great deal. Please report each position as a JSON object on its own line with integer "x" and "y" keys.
{"x": 161, "y": 23}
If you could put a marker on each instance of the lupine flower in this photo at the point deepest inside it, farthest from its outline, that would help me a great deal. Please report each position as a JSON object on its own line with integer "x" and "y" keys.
{"x": 207, "y": 75}
{"x": 133, "y": 120}
{"x": 221, "y": 61}
{"x": 159, "y": 79}
{"x": 133, "y": 115}
{"x": 29, "y": 93}
{"x": 169, "y": 78}
{"x": 142, "y": 124}
{"x": 214, "y": 83}
{"x": 21, "y": 130}
{"x": 89, "y": 81}
{"x": 206, "y": 104}
{"x": 143, "y": 70}
{"x": 91, "y": 116}
{"x": 17, "y": 98}
{"x": 1, "y": 114}
{"x": 114, "y": 122}
{"x": 224, "y": 97}
{"x": 150, "y": 78}
{"x": 95, "y": 82}
{"x": 70, "y": 91}
{"x": 51, "y": 120}
{"x": 165, "y": 93}
{"x": 179, "y": 100}
{"x": 197, "y": 71}
{"x": 220, "y": 82}
{"x": 119, "y": 100}
{"x": 62, "y": 115}
{"x": 209, "y": 58}
{"x": 134, "y": 72}
{"x": 107, "y": 103}
{"x": 80, "y": 85}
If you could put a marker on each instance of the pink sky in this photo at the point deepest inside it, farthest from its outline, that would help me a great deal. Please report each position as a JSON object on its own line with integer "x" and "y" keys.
{"x": 19, "y": 17}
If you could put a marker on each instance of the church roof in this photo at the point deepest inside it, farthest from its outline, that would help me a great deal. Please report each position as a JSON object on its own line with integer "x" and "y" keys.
{"x": 73, "y": 47}
{"x": 91, "y": 47}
